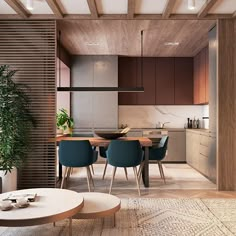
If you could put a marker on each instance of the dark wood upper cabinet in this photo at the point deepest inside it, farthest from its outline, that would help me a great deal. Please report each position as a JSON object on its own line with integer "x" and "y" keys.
{"x": 147, "y": 81}
{"x": 127, "y": 77}
{"x": 207, "y": 75}
{"x": 196, "y": 80}
{"x": 165, "y": 81}
{"x": 201, "y": 70}
{"x": 184, "y": 81}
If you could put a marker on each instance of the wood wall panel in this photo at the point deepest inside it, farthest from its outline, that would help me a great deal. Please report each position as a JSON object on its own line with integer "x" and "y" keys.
{"x": 184, "y": 81}
{"x": 30, "y": 47}
{"x": 165, "y": 81}
{"x": 226, "y": 105}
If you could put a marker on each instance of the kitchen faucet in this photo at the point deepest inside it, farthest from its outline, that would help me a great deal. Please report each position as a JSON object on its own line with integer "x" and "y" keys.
{"x": 161, "y": 125}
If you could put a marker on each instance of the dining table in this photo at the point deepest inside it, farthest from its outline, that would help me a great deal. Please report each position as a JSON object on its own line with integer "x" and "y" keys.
{"x": 101, "y": 142}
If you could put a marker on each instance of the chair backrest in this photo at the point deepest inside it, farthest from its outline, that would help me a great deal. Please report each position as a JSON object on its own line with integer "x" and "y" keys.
{"x": 76, "y": 153}
{"x": 164, "y": 142}
{"x": 158, "y": 153}
{"x": 102, "y": 152}
{"x": 123, "y": 153}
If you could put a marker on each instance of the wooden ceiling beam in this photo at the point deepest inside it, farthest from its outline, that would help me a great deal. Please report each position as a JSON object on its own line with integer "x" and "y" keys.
{"x": 206, "y": 8}
{"x": 93, "y": 8}
{"x": 131, "y": 9}
{"x": 55, "y": 8}
{"x": 18, "y": 8}
{"x": 168, "y": 9}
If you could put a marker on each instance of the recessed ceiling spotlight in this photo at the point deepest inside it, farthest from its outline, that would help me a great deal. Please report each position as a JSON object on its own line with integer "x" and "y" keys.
{"x": 191, "y": 5}
{"x": 171, "y": 43}
{"x": 92, "y": 44}
{"x": 29, "y": 5}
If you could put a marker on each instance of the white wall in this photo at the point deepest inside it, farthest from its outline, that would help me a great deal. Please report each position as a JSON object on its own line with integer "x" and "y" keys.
{"x": 149, "y": 116}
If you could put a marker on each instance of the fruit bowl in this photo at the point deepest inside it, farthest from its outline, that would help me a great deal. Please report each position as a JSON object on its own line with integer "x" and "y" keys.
{"x": 110, "y": 134}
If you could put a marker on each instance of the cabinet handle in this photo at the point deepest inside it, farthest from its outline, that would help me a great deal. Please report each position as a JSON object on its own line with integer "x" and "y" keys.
{"x": 204, "y": 145}
{"x": 203, "y": 155}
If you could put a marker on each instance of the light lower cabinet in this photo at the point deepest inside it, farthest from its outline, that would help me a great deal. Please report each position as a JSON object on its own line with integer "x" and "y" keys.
{"x": 176, "y": 147}
{"x": 201, "y": 153}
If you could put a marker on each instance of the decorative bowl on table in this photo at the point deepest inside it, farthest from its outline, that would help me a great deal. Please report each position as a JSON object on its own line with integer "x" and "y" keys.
{"x": 110, "y": 134}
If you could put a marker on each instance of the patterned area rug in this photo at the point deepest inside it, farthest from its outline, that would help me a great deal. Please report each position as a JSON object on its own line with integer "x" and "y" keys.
{"x": 147, "y": 216}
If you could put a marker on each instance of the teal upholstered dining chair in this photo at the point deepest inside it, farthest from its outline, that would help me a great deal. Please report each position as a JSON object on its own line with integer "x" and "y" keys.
{"x": 85, "y": 135}
{"x": 76, "y": 153}
{"x": 158, "y": 153}
{"x": 123, "y": 153}
{"x": 102, "y": 152}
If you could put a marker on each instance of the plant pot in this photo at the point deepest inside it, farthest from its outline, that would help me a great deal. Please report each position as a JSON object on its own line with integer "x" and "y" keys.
{"x": 9, "y": 181}
{"x": 59, "y": 131}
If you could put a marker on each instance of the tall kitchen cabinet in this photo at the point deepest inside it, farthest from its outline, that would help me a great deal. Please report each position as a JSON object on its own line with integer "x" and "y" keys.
{"x": 166, "y": 81}
{"x": 201, "y": 77}
{"x": 94, "y": 109}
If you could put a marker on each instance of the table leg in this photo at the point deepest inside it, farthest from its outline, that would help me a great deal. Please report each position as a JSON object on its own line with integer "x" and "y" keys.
{"x": 70, "y": 226}
{"x": 114, "y": 220}
{"x": 145, "y": 173}
{"x": 60, "y": 169}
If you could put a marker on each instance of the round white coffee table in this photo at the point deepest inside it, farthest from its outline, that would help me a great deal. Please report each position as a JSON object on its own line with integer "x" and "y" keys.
{"x": 50, "y": 205}
{"x": 98, "y": 205}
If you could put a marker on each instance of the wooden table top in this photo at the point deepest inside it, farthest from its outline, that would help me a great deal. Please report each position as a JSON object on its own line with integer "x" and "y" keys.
{"x": 97, "y": 205}
{"x": 96, "y": 141}
{"x": 50, "y": 205}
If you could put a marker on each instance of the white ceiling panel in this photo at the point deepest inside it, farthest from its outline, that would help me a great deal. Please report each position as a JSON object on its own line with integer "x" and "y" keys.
{"x": 181, "y": 7}
{"x": 40, "y": 7}
{"x": 150, "y": 6}
{"x": 5, "y": 9}
{"x": 223, "y": 7}
{"x": 74, "y": 7}
{"x": 112, "y": 6}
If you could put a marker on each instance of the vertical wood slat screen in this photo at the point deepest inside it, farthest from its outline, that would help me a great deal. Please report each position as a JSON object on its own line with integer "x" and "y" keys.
{"x": 30, "y": 47}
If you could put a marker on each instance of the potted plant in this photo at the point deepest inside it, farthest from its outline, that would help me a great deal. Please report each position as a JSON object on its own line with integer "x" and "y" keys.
{"x": 16, "y": 122}
{"x": 64, "y": 121}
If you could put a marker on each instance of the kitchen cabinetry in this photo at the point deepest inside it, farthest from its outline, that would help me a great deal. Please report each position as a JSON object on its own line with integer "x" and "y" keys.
{"x": 176, "y": 147}
{"x": 184, "y": 81}
{"x": 201, "y": 70}
{"x": 127, "y": 77}
{"x": 166, "y": 81}
{"x": 201, "y": 152}
{"x": 148, "y": 81}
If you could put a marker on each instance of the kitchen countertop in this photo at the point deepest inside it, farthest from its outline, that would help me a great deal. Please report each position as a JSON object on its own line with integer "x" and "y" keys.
{"x": 158, "y": 129}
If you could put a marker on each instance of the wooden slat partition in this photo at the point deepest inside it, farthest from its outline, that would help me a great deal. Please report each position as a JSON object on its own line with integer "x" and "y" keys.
{"x": 30, "y": 47}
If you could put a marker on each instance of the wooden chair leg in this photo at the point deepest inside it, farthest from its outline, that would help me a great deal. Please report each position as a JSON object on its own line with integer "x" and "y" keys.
{"x": 104, "y": 172}
{"x": 90, "y": 176}
{"x": 71, "y": 172}
{"x": 63, "y": 178}
{"x": 163, "y": 176}
{"x": 140, "y": 169}
{"x": 126, "y": 174}
{"x": 137, "y": 179}
{"x": 112, "y": 179}
{"x": 160, "y": 169}
{"x": 87, "y": 168}
{"x": 68, "y": 173}
{"x": 92, "y": 169}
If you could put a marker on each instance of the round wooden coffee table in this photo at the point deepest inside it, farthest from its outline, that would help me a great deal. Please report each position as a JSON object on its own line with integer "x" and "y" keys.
{"x": 98, "y": 205}
{"x": 50, "y": 205}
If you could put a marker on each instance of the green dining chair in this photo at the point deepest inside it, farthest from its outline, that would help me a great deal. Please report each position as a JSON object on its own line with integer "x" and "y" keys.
{"x": 102, "y": 152}
{"x": 158, "y": 153}
{"x": 123, "y": 153}
{"x": 85, "y": 135}
{"x": 77, "y": 153}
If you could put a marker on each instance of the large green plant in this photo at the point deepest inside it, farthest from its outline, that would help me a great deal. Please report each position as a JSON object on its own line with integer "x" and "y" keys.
{"x": 15, "y": 121}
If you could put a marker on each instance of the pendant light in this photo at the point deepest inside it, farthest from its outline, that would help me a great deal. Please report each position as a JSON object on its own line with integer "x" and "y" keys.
{"x": 191, "y": 5}
{"x": 29, "y": 5}
{"x": 99, "y": 89}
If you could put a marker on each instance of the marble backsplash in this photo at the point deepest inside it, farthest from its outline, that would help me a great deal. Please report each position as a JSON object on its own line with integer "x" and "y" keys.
{"x": 149, "y": 116}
